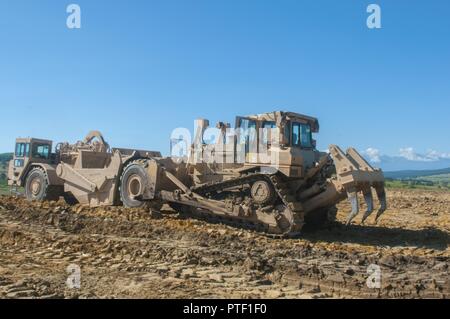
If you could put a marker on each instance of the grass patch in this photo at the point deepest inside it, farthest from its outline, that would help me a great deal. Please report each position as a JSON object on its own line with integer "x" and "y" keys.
{"x": 4, "y": 188}
{"x": 442, "y": 179}
{"x": 3, "y": 182}
{"x": 417, "y": 184}
{"x": 427, "y": 179}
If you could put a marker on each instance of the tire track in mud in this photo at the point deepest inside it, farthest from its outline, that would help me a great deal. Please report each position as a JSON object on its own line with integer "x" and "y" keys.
{"x": 133, "y": 253}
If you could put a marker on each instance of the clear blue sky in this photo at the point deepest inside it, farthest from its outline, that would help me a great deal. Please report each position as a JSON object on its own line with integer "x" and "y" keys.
{"x": 138, "y": 69}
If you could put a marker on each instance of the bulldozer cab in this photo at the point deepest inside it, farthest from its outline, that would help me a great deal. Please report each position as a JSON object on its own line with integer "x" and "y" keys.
{"x": 284, "y": 137}
{"x": 28, "y": 151}
{"x": 293, "y": 130}
{"x": 280, "y": 140}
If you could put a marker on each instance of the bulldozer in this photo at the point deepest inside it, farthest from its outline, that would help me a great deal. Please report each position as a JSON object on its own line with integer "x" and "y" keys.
{"x": 264, "y": 174}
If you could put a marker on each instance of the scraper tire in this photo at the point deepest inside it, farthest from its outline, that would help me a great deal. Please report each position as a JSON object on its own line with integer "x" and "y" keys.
{"x": 38, "y": 188}
{"x": 134, "y": 180}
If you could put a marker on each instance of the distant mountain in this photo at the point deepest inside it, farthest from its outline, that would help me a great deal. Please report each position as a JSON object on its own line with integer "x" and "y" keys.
{"x": 411, "y": 174}
{"x": 399, "y": 163}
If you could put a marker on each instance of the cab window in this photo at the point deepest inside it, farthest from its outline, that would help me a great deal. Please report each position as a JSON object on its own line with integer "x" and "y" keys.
{"x": 267, "y": 131}
{"x": 22, "y": 149}
{"x": 19, "y": 163}
{"x": 248, "y": 135}
{"x": 41, "y": 151}
{"x": 301, "y": 135}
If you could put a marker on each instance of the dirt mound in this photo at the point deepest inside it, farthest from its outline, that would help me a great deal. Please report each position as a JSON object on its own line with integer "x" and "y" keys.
{"x": 146, "y": 254}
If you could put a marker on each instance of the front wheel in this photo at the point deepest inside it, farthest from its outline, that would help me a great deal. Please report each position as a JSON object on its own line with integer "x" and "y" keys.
{"x": 37, "y": 187}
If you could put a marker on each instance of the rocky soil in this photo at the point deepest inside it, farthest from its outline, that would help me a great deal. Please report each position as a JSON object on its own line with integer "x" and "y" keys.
{"x": 139, "y": 254}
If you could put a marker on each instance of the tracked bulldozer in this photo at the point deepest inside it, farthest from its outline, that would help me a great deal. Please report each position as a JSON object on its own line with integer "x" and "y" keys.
{"x": 265, "y": 174}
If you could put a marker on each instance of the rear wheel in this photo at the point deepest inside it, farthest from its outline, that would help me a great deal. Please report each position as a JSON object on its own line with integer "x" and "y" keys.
{"x": 133, "y": 182}
{"x": 37, "y": 186}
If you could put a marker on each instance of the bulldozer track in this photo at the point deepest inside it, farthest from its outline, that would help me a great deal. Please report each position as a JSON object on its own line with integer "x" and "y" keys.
{"x": 235, "y": 221}
{"x": 292, "y": 207}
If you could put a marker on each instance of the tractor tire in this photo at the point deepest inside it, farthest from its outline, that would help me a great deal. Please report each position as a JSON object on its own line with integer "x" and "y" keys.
{"x": 320, "y": 218}
{"x": 38, "y": 188}
{"x": 133, "y": 179}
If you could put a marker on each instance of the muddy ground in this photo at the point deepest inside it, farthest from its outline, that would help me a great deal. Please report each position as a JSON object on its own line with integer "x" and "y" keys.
{"x": 138, "y": 254}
